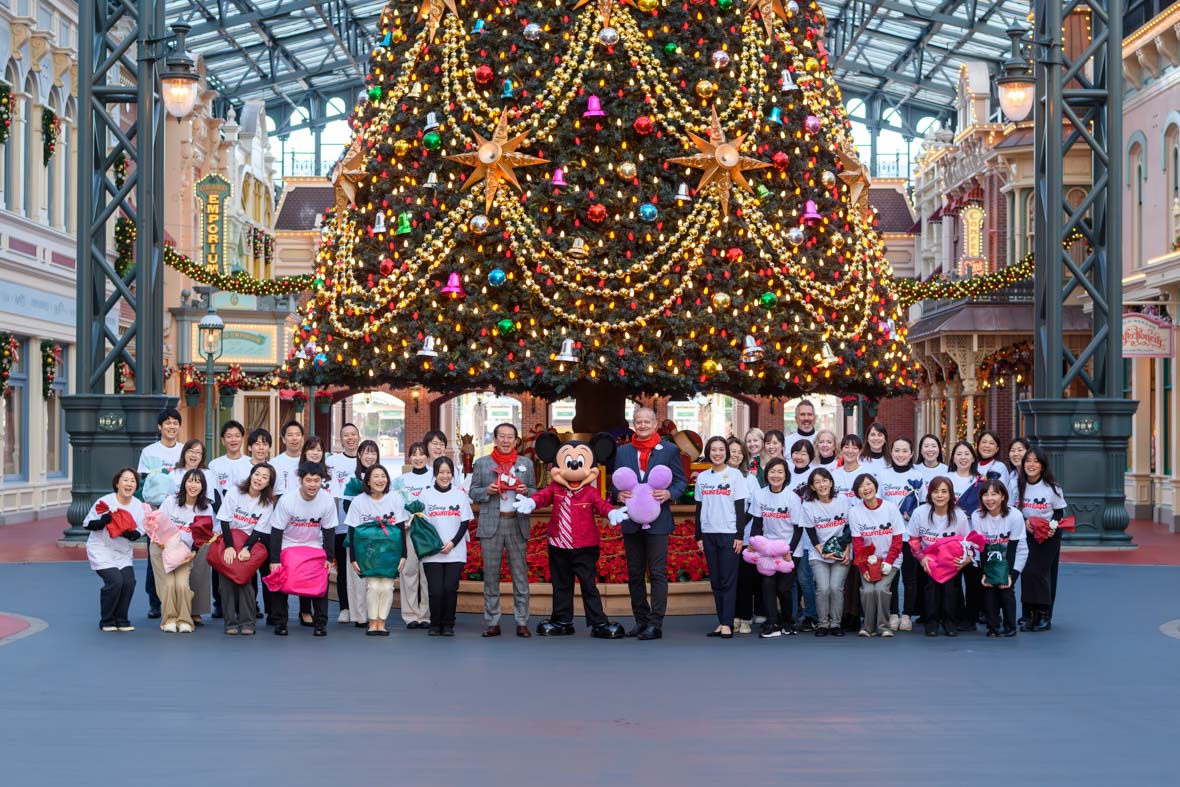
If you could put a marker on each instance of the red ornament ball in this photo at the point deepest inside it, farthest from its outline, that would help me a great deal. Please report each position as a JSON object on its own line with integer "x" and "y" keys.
{"x": 733, "y": 255}
{"x": 386, "y": 266}
{"x": 596, "y": 213}
{"x": 780, "y": 161}
{"x": 644, "y": 125}
{"x": 484, "y": 74}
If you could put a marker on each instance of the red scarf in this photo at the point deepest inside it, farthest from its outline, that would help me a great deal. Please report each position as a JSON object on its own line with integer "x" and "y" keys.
{"x": 504, "y": 462}
{"x": 645, "y": 446}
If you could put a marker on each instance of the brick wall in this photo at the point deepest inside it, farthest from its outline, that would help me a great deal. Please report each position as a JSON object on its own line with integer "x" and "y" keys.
{"x": 896, "y": 414}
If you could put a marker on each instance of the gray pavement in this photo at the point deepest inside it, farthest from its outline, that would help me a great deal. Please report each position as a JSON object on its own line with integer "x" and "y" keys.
{"x": 1096, "y": 701}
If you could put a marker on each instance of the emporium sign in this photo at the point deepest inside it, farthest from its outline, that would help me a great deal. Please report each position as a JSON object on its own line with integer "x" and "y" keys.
{"x": 214, "y": 192}
{"x": 1147, "y": 336}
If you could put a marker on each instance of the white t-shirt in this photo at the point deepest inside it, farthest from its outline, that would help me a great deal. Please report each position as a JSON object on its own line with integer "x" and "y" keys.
{"x": 962, "y": 483}
{"x": 874, "y": 465}
{"x": 794, "y": 437}
{"x": 302, "y": 520}
{"x": 896, "y": 487}
{"x": 878, "y": 526}
{"x": 229, "y": 472}
{"x": 717, "y": 493}
{"x": 752, "y": 487}
{"x": 844, "y": 479}
{"x": 342, "y": 468}
{"x": 365, "y": 509}
{"x": 183, "y": 516}
{"x": 447, "y": 511}
{"x": 105, "y": 552}
{"x": 286, "y": 473}
{"x": 245, "y": 513}
{"x": 159, "y": 457}
{"x": 1001, "y": 530}
{"x": 929, "y": 474}
{"x": 929, "y": 526}
{"x": 996, "y": 469}
{"x": 781, "y": 513}
{"x": 1039, "y": 500}
{"x": 828, "y": 519}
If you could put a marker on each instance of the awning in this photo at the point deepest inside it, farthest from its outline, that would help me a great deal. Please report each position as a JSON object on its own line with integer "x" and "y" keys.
{"x": 991, "y": 318}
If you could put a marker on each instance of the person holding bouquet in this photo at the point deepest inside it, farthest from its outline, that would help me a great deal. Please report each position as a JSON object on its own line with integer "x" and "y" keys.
{"x": 114, "y": 521}
{"x": 1040, "y": 500}
{"x": 938, "y": 518}
{"x": 1004, "y": 556}
{"x": 902, "y": 484}
{"x": 373, "y": 513}
{"x": 825, "y": 518}
{"x": 877, "y": 533}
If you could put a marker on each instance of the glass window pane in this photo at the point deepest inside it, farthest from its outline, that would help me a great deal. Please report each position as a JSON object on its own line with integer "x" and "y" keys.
{"x": 14, "y": 406}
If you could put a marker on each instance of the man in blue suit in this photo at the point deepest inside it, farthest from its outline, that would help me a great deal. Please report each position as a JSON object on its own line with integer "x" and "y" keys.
{"x": 647, "y": 550}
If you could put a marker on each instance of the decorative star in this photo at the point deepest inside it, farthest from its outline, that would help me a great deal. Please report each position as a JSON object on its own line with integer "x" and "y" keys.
{"x": 854, "y": 175}
{"x": 432, "y": 11}
{"x": 494, "y": 159}
{"x": 604, "y": 8}
{"x": 768, "y": 8}
{"x": 348, "y": 174}
{"x": 721, "y": 160}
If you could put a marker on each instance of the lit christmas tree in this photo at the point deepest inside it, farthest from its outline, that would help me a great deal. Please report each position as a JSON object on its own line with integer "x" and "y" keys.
{"x": 599, "y": 198}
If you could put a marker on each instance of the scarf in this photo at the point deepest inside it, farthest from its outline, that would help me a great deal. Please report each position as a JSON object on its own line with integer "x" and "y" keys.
{"x": 504, "y": 462}
{"x": 645, "y": 446}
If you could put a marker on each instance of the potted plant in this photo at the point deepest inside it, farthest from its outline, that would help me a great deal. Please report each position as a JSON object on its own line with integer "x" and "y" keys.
{"x": 192, "y": 393}
{"x": 227, "y": 390}
{"x": 871, "y": 406}
{"x": 849, "y": 403}
{"x": 298, "y": 401}
{"x": 323, "y": 401}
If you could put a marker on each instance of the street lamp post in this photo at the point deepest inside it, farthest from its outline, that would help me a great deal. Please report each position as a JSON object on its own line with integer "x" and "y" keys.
{"x": 209, "y": 332}
{"x": 121, "y": 47}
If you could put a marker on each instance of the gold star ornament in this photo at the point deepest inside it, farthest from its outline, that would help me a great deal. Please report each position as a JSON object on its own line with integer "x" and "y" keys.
{"x": 604, "y": 8}
{"x": 854, "y": 175}
{"x": 348, "y": 174}
{"x": 494, "y": 159}
{"x": 768, "y": 9}
{"x": 721, "y": 160}
{"x": 432, "y": 11}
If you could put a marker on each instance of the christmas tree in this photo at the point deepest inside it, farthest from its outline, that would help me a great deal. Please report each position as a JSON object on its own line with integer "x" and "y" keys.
{"x": 602, "y": 196}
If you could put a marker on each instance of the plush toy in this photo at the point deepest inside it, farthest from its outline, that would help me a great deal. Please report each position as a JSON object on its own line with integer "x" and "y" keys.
{"x": 642, "y": 508}
{"x": 467, "y": 452}
{"x": 573, "y": 533}
{"x": 770, "y": 556}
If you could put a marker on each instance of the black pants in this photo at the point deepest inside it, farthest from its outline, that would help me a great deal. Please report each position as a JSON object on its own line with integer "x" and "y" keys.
{"x": 442, "y": 582}
{"x": 1036, "y": 581}
{"x": 942, "y": 602}
{"x": 319, "y": 608}
{"x": 777, "y": 598}
{"x": 564, "y": 566}
{"x": 973, "y": 593}
{"x": 750, "y": 603}
{"x": 215, "y": 584}
{"x": 723, "y": 569}
{"x": 996, "y": 599}
{"x": 114, "y": 600}
{"x": 647, "y": 554}
{"x": 149, "y": 587}
{"x": 342, "y": 572}
{"x": 893, "y": 594}
{"x": 911, "y": 574}
{"x": 268, "y": 598}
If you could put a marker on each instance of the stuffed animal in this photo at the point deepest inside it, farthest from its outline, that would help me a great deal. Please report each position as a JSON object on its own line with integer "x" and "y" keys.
{"x": 573, "y": 493}
{"x": 770, "y": 556}
{"x": 467, "y": 452}
{"x": 642, "y": 508}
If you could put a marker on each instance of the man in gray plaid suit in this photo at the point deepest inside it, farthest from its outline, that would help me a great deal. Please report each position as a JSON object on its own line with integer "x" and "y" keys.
{"x": 496, "y": 480}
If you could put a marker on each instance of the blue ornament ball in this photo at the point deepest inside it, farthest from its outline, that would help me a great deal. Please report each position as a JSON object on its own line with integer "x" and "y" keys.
{"x": 497, "y": 277}
{"x": 321, "y": 359}
{"x": 648, "y": 212}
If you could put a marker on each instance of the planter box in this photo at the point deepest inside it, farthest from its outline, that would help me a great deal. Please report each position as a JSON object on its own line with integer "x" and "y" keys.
{"x": 192, "y": 399}
{"x": 298, "y": 406}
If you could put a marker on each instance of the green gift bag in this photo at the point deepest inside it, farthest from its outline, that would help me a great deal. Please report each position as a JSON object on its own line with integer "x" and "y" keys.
{"x": 995, "y": 564}
{"x": 838, "y": 543}
{"x": 378, "y": 549}
{"x": 424, "y": 537}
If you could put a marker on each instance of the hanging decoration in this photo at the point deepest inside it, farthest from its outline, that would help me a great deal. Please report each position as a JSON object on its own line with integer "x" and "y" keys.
{"x": 50, "y": 128}
{"x": 9, "y": 355}
{"x": 5, "y": 113}
{"x": 51, "y": 355}
{"x": 1013, "y": 362}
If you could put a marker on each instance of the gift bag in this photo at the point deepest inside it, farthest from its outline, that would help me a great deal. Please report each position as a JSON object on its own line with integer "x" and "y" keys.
{"x": 424, "y": 537}
{"x": 121, "y": 522}
{"x": 175, "y": 554}
{"x": 377, "y": 548}
{"x": 301, "y": 572}
{"x": 995, "y": 564}
{"x": 202, "y": 530}
{"x": 969, "y": 500}
{"x": 837, "y": 543}
{"x": 239, "y": 572}
{"x": 871, "y": 569}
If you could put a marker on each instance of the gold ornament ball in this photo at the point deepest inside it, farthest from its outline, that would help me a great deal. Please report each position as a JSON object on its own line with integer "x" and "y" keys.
{"x": 710, "y": 366}
{"x": 705, "y": 88}
{"x": 627, "y": 170}
{"x": 837, "y": 241}
{"x": 812, "y": 65}
{"x": 401, "y": 147}
{"x": 828, "y": 178}
{"x": 721, "y": 300}
{"x": 647, "y": 6}
{"x": 397, "y": 35}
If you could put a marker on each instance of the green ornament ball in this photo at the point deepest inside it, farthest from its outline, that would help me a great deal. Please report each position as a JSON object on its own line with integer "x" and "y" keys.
{"x": 505, "y": 326}
{"x": 375, "y": 93}
{"x": 768, "y": 300}
{"x": 432, "y": 140}
{"x": 672, "y": 48}
{"x": 725, "y": 5}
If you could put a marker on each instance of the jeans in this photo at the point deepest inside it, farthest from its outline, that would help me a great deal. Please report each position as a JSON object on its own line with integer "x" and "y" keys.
{"x": 804, "y": 586}
{"x": 829, "y": 591}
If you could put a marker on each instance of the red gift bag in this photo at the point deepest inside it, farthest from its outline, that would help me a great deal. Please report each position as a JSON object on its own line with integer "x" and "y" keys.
{"x": 121, "y": 522}
{"x": 238, "y": 572}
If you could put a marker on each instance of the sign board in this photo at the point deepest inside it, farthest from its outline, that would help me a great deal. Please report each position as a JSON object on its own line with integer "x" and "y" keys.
{"x": 214, "y": 192}
{"x": 1147, "y": 336}
{"x": 252, "y": 345}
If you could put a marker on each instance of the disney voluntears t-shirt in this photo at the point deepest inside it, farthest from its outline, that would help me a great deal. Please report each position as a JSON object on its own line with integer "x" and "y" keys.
{"x": 341, "y": 469}
{"x": 844, "y": 479}
{"x": 878, "y": 526}
{"x": 717, "y": 493}
{"x": 994, "y": 469}
{"x": 928, "y": 527}
{"x": 930, "y": 473}
{"x": 411, "y": 485}
{"x": 1003, "y": 530}
{"x": 829, "y": 519}
{"x": 105, "y": 552}
{"x": 229, "y": 472}
{"x": 302, "y": 520}
{"x": 365, "y": 509}
{"x": 245, "y": 513}
{"x": 448, "y": 512}
{"x": 1040, "y": 499}
{"x": 286, "y": 472}
{"x": 896, "y": 486}
{"x": 183, "y": 517}
{"x": 781, "y": 513}
{"x": 158, "y": 457}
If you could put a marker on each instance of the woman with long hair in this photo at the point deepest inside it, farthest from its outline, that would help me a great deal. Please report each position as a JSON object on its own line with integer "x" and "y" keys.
{"x": 247, "y": 507}
{"x": 937, "y": 518}
{"x": 749, "y": 591}
{"x": 873, "y": 454}
{"x": 1039, "y": 495}
{"x": 720, "y": 521}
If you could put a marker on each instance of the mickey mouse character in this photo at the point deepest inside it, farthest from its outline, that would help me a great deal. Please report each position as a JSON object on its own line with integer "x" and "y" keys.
{"x": 573, "y": 534}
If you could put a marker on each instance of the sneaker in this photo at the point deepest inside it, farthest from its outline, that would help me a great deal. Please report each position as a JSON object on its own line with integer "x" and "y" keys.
{"x": 894, "y": 622}
{"x": 905, "y": 624}
{"x": 280, "y": 629}
{"x": 808, "y": 624}
{"x": 126, "y": 627}
{"x": 109, "y": 628}
{"x": 154, "y": 613}
{"x": 758, "y": 620}
{"x": 769, "y": 631}
{"x": 185, "y": 628}
{"x": 836, "y": 631}
{"x": 344, "y": 617}
{"x": 887, "y": 633}
{"x": 169, "y": 628}
{"x": 863, "y": 633}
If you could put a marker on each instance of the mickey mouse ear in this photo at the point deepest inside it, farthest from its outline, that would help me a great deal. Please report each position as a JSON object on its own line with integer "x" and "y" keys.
{"x": 604, "y": 446}
{"x": 546, "y": 446}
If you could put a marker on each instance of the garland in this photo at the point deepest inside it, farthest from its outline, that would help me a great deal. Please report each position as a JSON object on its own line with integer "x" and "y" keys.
{"x": 124, "y": 246}
{"x": 50, "y": 128}
{"x": 5, "y": 113}
{"x": 9, "y": 354}
{"x": 51, "y": 355}
{"x": 192, "y": 380}
{"x": 1015, "y": 360}
{"x": 124, "y": 377}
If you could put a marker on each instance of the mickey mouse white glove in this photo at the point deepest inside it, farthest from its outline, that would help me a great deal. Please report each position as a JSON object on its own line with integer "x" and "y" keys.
{"x": 524, "y": 505}
{"x": 617, "y": 517}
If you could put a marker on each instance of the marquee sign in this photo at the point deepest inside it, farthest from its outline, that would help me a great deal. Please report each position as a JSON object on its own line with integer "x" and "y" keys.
{"x": 214, "y": 192}
{"x": 1147, "y": 336}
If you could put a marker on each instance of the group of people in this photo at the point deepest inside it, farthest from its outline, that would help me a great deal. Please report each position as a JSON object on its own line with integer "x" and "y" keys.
{"x": 943, "y": 544}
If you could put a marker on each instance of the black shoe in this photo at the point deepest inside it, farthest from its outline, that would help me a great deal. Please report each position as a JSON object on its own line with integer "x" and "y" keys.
{"x": 636, "y": 630}
{"x": 434, "y": 632}
{"x": 1008, "y": 632}
{"x": 608, "y": 631}
{"x": 965, "y": 626}
{"x": 372, "y": 633}
{"x": 306, "y": 623}
{"x": 836, "y": 631}
{"x": 383, "y": 633}
{"x": 549, "y": 628}
{"x": 650, "y": 632}
{"x": 993, "y": 633}
{"x": 1044, "y": 623}
{"x": 949, "y": 630}
{"x": 448, "y": 631}
{"x": 281, "y": 630}
{"x": 155, "y": 614}
{"x": 931, "y": 629}
{"x": 820, "y": 631}
{"x": 320, "y": 630}
{"x": 258, "y": 616}
{"x": 769, "y": 631}
{"x": 808, "y": 624}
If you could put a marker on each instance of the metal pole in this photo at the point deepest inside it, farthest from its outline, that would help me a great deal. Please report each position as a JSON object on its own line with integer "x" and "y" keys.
{"x": 209, "y": 411}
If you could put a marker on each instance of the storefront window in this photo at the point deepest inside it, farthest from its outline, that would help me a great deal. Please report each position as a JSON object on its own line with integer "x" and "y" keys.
{"x": 57, "y": 443}
{"x": 16, "y": 417}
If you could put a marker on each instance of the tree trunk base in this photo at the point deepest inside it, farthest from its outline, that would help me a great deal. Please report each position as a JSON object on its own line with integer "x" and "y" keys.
{"x": 600, "y": 407}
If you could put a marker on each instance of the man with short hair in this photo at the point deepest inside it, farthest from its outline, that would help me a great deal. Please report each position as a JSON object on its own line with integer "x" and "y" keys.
{"x": 258, "y": 446}
{"x": 496, "y": 480}
{"x": 161, "y": 456}
{"x": 804, "y": 426}
{"x": 647, "y": 549}
{"x": 286, "y": 464}
{"x": 303, "y": 517}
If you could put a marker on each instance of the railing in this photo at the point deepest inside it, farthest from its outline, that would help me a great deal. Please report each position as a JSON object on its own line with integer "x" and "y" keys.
{"x": 1020, "y": 292}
